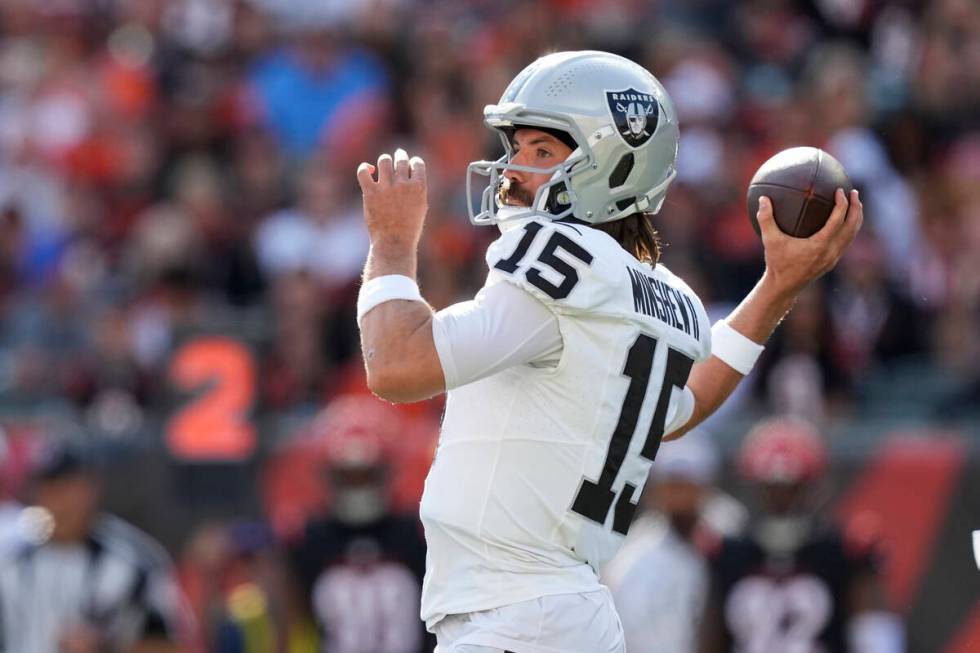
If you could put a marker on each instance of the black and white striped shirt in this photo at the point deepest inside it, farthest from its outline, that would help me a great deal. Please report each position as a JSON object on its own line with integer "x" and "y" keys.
{"x": 119, "y": 581}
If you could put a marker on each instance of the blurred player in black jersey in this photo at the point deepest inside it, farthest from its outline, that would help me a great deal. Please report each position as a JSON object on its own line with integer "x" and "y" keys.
{"x": 794, "y": 583}
{"x": 362, "y": 566}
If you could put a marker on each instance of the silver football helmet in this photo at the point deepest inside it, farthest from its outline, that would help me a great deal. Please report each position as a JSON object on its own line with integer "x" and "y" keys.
{"x": 622, "y": 121}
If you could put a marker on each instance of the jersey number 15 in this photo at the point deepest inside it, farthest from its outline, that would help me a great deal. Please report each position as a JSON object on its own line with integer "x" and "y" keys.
{"x": 596, "y": 498}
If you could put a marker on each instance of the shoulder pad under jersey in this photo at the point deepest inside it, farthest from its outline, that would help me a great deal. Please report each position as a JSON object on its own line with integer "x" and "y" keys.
{"x": 559, "y": 263}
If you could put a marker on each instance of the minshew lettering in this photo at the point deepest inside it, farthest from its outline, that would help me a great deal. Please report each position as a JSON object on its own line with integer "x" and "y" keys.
{"x": 658, "y": 299}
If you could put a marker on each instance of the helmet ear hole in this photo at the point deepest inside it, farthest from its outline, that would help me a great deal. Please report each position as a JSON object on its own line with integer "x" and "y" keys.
{"x": 622, "y": 170}
{"x": 624, "y": 204}
{"x": 557, "y": 200}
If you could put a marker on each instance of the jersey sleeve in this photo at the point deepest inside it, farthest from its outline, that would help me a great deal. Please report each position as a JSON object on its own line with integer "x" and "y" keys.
{"x": 502, "y": 327}
{"x": 680, "y": 411}
{"x": 554, "y": 262}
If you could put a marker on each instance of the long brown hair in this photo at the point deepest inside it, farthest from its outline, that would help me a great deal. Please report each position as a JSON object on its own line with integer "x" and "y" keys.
{"x": 636, "y": 234}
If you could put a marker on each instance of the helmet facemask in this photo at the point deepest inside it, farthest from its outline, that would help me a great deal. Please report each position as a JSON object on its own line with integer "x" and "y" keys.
{"x": 554, "y": 198}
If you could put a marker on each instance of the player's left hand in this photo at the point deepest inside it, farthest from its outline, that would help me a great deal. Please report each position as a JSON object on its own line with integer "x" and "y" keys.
{"x": 396, "y": 202}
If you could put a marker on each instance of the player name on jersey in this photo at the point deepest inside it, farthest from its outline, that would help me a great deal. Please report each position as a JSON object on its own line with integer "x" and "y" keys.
{"x": 668, "y": 304}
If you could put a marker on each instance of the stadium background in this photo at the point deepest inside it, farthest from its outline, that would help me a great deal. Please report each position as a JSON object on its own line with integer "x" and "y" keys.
{"x": 180, "y": 239}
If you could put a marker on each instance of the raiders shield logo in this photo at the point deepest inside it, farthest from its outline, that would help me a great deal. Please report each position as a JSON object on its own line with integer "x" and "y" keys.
{"x": 636, "y": 115}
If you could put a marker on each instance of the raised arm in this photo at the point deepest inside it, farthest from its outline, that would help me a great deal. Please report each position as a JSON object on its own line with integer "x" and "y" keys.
{"x": 396, "y": 336}
{"x": 791, "y": 264}
{"x": 410, "y": 353}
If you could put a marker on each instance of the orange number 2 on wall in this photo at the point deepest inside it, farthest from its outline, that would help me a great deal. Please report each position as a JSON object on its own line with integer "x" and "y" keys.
{"x": 215, "y": 424}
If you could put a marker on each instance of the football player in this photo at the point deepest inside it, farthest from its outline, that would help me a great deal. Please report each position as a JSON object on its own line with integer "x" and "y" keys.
{"x": 361, "y": 566}
{"x": 576, "y": 358}
{"x": 794, "y": 584}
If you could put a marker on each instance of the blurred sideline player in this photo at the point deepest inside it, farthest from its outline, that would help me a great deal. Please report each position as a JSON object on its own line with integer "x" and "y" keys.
{"x": 293, "y": 485}
{"x": 659, "y": 578}
{"x": 578, "y": 355}
{"x": 361, "y": 566}
{"x": 794, "y": 583}
{"x": 258, "y": 608}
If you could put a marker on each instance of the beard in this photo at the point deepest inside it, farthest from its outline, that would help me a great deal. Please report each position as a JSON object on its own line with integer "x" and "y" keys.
{"x": 514, "y": 193}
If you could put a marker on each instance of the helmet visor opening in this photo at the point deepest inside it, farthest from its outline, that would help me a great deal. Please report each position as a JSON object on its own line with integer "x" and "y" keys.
{"x": 561, "y": 135}
{"x": 485, "y": 198}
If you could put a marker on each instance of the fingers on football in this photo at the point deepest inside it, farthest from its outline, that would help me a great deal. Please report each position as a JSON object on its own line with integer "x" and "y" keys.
{"x": 849, "y": 220}
{"x": 836, "y": 219}
{"x": 767, "y": 223}
{"x": 386, "y": 169}
{"x": 365, "y": 176}
{"x": 855, "y": 216}
{"x": 418, "y": 168}
{"x": 844, "y": 229}
{"x": 401, "y": 164}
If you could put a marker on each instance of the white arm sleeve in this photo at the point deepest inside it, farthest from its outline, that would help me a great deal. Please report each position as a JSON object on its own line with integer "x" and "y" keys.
{"x": 680, "y": 411}
{"x": 502, "y": 327}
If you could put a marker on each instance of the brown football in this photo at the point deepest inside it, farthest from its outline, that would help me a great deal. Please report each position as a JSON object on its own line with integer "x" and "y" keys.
{"x": 800, "y": 182}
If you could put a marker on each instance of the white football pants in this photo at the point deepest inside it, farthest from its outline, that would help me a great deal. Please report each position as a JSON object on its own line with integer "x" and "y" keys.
{"x": 564, "y": 623}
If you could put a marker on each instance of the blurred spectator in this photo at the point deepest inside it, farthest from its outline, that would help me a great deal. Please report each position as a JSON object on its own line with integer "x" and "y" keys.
{"x": 872, "y": 322}
{"x": 307, "y": 342}
{"x": 242, "y": 593}
{"x": 257, "y": 179}
{"x": 802, "y": 377}
{"x": 86, "y": 581}
{"x": 837, "y": 76}
{"x": 317, "y": 89}
{"x": 13, "y": 535}
{"x": 323, "y": 234}
{"x": 185, "y": 163}
{"x": 361, "y": 566}
{"x": 659, "y": 579}
{"x": 264, "y": 609}
{"x": 794, "y": 582}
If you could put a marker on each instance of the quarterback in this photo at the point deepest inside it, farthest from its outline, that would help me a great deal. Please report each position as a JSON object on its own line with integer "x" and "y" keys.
{"x": 572, "y": 363}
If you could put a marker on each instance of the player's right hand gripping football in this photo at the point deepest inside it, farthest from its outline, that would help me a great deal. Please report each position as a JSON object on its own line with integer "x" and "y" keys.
{"x": 792, "y": 263}
{"x": 395, "y": 203}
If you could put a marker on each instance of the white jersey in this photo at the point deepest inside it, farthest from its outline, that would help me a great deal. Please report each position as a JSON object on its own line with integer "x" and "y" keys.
{"x": 539, "y": 468}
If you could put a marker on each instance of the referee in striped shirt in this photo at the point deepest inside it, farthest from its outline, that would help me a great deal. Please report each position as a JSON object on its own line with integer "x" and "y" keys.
{"x": 85, "y": 582}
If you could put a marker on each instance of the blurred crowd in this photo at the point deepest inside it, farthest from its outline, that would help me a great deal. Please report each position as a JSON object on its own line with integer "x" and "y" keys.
{"x": 183, "y": 169}
{"x": 176, "y": 167}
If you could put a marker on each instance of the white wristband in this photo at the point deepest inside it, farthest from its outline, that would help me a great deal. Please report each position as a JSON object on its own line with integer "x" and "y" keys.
{"x": 734, "y": 349}
{"x": 384, "y": 289}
